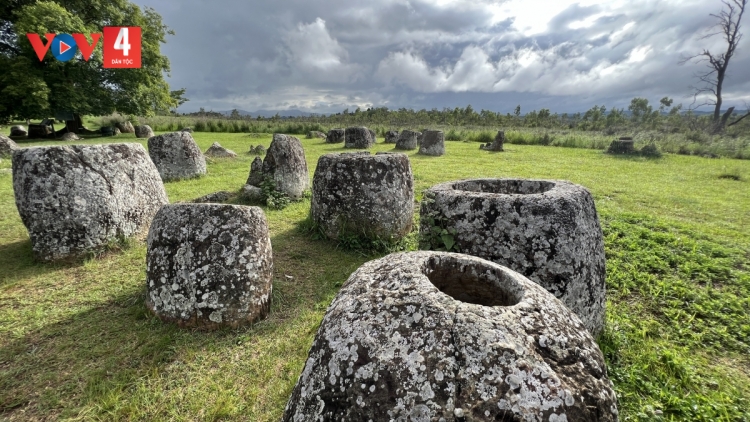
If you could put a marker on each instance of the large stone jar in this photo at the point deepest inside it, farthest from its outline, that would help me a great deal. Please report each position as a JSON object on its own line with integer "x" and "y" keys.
{"x": 436, "y": 336}
{"x": 365, "y": 195}
{"x": 547, "y": 230}
{"x": 209, "y": 265}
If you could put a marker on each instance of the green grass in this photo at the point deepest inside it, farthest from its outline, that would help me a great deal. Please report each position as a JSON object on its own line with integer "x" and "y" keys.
{"x": 76, "y": 341}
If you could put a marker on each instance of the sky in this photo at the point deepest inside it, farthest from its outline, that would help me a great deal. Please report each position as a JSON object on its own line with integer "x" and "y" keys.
{"x": 325, "y": 56}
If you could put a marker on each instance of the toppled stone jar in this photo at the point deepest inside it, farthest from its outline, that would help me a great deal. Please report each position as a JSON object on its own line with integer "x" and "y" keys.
{"x": 436, "y": 336}
{"x": 547, "y": 230}
{"x": 365, "y": 195}
{"x": 209, "y": 265}
{"x": 75, "y": 199}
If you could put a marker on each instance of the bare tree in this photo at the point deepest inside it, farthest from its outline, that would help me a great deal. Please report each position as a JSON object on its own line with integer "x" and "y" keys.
{"x": 727, "y": 25}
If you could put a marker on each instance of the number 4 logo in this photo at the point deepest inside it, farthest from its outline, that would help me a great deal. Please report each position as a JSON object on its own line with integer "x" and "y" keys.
{"x": 122, "y": 46}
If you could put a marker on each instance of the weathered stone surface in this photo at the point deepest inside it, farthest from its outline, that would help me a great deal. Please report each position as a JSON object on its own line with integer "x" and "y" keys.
{"x": 285, "y": 164}
{"x": 143, "y": 131}
{"x": 362, "y": 194}
{"x": 435, "y": 336}
{"x": 316, "y": 134}
{"x": 215, "y": 197}
{"x": 391, "y": 136}
{"x": 335, "y": 136}
{"x": 358, "y": 137}
{"x": 255, "y": 178}
{"x": 74, "y": 199}
{"x": 497, "y": 144}
{"x": 69, "y": 136}
{"x": 126, "y": 127}
{"x": 209, "y": 265}
{"x": 115, "y": 132}
{"x": 257, "y": 150}
{"x": 407, "y": 140}
{"x": 433, "y": 143}
{"x": 7, "y": 146}
{"x": 18, "y": 130}
{"x": 373, "y": 135}
{"x": 547, "y": 230}
{"x": 252, "y": 193}
{"x": 624, "y": 145}
{"x": 176, "y": 156}
{"x": 218, "y": 151}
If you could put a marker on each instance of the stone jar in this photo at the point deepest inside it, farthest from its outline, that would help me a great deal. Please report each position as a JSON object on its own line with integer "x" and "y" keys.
{"x": 547, "y": 230}
{"x": 209, "y": 265}
{"x": 361, "y": 194}
{"x": 436, "y": 336}
{"x": 176, "y": 156}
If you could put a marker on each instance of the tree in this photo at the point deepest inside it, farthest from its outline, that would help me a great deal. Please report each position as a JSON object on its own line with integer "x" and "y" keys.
{"x": 30, "y": 88}
{"x": 712, "y": 80}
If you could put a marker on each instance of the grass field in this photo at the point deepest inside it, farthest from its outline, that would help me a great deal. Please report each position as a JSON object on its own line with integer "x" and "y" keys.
{"x": 76, "y": 341}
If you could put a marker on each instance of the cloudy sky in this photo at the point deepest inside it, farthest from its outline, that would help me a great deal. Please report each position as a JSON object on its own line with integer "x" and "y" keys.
{"x": 325, "y": 56}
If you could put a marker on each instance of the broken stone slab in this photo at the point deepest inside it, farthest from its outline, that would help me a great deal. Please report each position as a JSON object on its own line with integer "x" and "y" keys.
{"x": 433, "y": 336}
{"x": 407, "y": 140}
{"x": 69, "y": 136}
{"x": 285, "y": 165}
{"x": 209, "y": 265}
{"x": 7, "y": 146}
{"x": 143, "y": 131}
{"x": 255, "y": 178}
{"x": 358, "y": 137}
{"x": 391, "y": 137}
{"x": 433, "y": 143}
{"x": 547, "y": 230}
{"x": 497, "y": 144}
{"x": 176, "y": 156}
{"x": 218, "y": 151}
{"x": 257, "y": 150}
{"x": 75, "y": 199}
{"x": 358, "y": 194}
{"x": 335, "y": 136}
{"x": 125, "y": 127}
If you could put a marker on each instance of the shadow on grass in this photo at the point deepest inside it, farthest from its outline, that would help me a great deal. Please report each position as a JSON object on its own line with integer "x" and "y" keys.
{"x": 17, "y": 261}
{"x": 113, "y": 358}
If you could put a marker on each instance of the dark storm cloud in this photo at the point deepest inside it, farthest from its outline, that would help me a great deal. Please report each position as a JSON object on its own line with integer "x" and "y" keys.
{"x": 328, "y": 55}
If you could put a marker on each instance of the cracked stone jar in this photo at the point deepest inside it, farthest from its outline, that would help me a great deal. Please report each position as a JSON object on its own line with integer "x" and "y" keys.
{"x": 365, "y": 195}
{"x": 209, "y": 265}
{"x": 438, "y": 336}
{"x": 547, "y": 230}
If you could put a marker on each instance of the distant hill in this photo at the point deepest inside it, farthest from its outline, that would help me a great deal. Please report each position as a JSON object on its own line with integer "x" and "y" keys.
{"x": 271, "y": 113}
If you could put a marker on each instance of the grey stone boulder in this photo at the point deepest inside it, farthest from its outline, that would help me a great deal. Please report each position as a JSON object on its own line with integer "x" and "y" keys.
{"x": 187, "y": 129}
{"x": 547, "y": 230}
{"x": 115, "y": 132}
{"x": 358, "y": 137}
{"x": 497, "y": 144}
{"x": 335, "y": 136}
{"x": 176, "y": 156}
{"x": 407, "y": 140}
{"x": 143, "y": 131}
{"x": 218, "y": 151}
{"x": 125, "y": 127}
{"x": 75, "y": 199}
{"x": 7, "y": 146}
{"x": 436, "y": 336}
{"x": 316, "y": 134}
{"x": 365, "y": 195}
{"x": 433, "y": 143}
{"x": 215, "y": 197}
{"x": 373, "y": 135}
{"x": 18, "y": 130}
{"x": 255, "y": 178}
{"x": 252, "y": 193}
{"x": 257, "y": 150}
{"x": 285, "y": 164}
{"x": 69, "y": 136}
{"x": 391, "y": 137}
{"x": 209, "y": 265}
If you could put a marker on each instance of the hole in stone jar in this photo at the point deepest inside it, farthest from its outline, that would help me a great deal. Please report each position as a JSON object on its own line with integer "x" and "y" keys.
{"x": 472, "y": 282}
{"x": 505, "y": 186}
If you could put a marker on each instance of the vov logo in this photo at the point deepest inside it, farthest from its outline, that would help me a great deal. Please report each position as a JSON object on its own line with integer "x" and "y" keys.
{"x": 122, "y": 46}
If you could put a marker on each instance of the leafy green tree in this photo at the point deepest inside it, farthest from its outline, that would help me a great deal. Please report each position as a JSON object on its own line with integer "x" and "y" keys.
{"x": 33, "y": 89}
